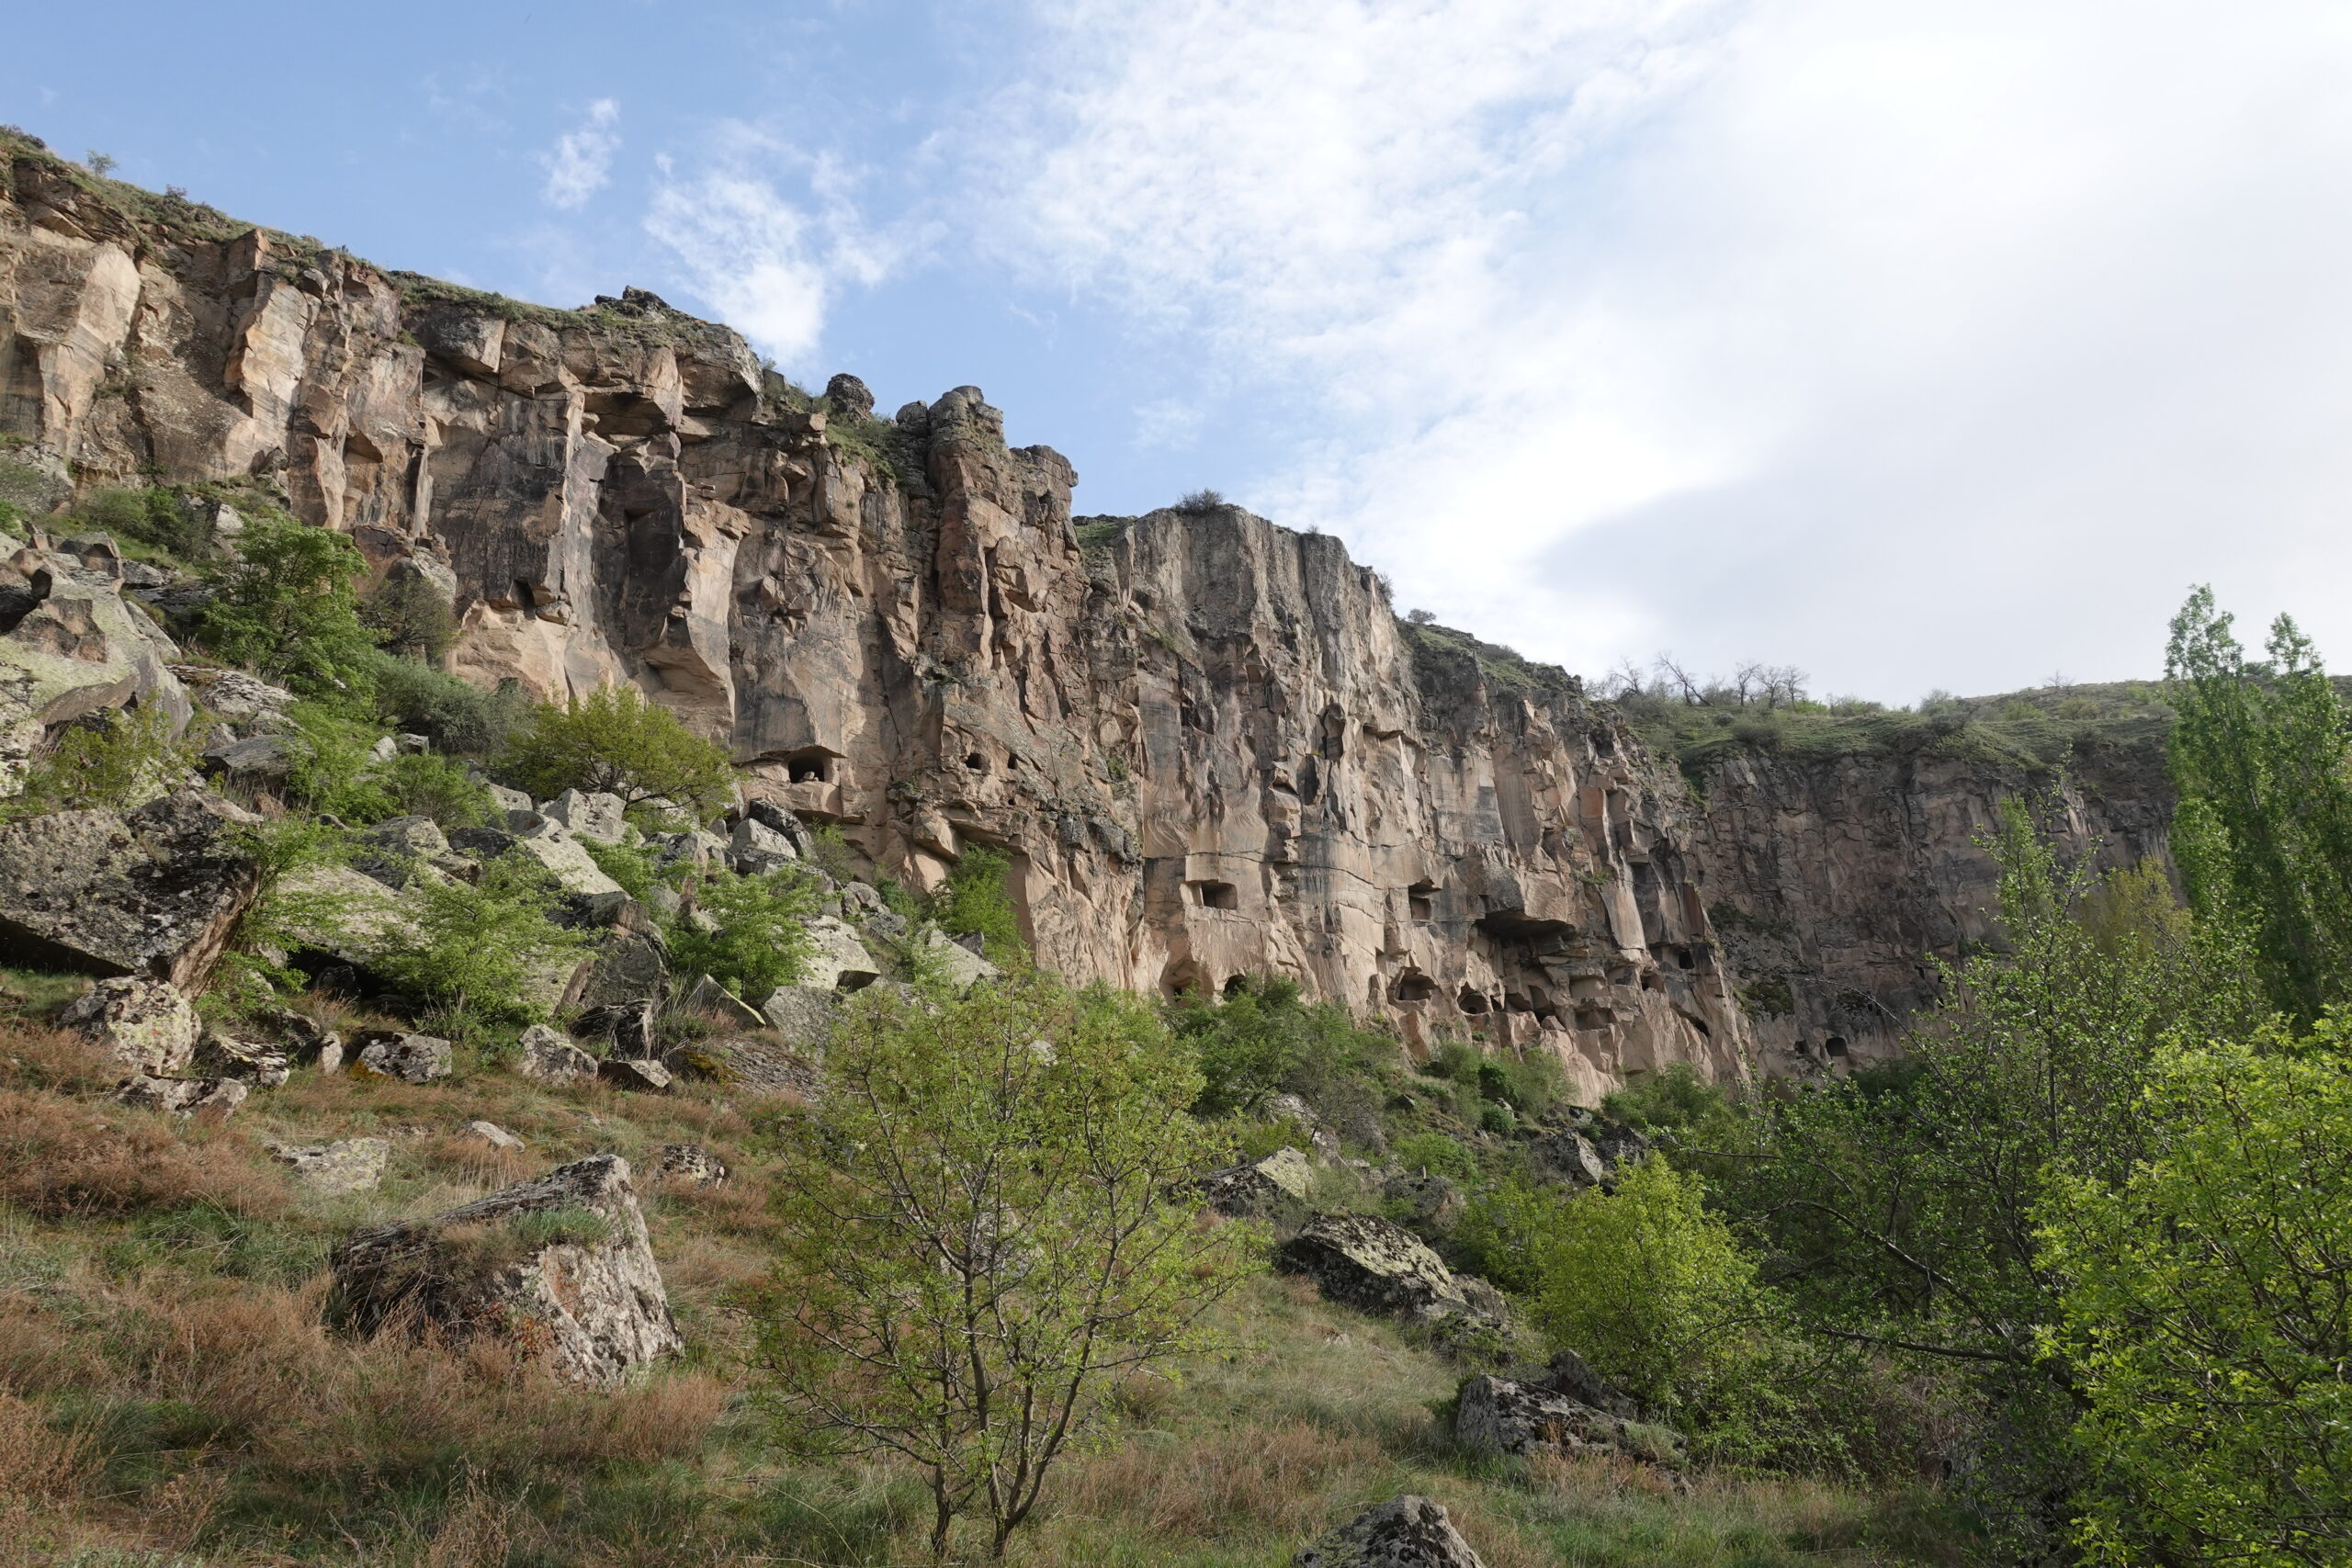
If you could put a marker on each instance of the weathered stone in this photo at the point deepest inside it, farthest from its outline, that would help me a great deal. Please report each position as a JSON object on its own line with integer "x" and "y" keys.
{"x": 1277, "y": 1187}
{"x": 645, "y": 1076}
{"x": 408, "y": 836}
{"x": 560, "y": 1263}
{"x": 1566, "y": 1373}
{"x": 958, "y": 965}
{"x": 259, "y": 761}
{"x": 182, "y": 1097}
{"x": 348, "y": 1165}
{"x": 70, "y": 645}
{"x": 1430, "y": 1201}
{"x": 553, "y": 846}
{"x": 755, "y": 849}
{"x": 411, "y": 1058}
{"x": 491, "y": 1132}
{"x": 690, "y": 1164}
{"x": 1497, "y": 1416}
{"x": 629, "y": 1026}
{"x": 238, "y": 698}
{"x": 147, "y": 1026}
{"x": 156, "y": 892}
{"x": 1404, "y": 1532}
{"x": 628, "y": 966}
{"x": 483, "y": 843}
{"x": 507, "y": 799}
{"x": 715, "y": 1001}
{"x": 804, "y": 1015}
{"x": 1567, "y": 1156}
{"x": 262, "y": 1066}
{"x": 547, "y": 1056}
{"x": 695, "y": 848}
{"x": 1377, "y": 1266}
{"x": 838, "y": 959}
{"x": 749, "y": 1064}
{"x": 597, "y": 816}
{"x": 305, "y": 1040}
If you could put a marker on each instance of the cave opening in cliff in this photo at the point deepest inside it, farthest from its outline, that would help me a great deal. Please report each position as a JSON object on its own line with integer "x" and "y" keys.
{"x": 810, "y": 766}
{"x": 1420, "y": 901}
{"x": 976, "y": 762}
{"x": 1834, "y": 1045}
{"x": 1471, "y": 1002}
{"x": 1236, "y": 986}
{"x": 1216, "y": 895}
{"x": 1412, "y": 987}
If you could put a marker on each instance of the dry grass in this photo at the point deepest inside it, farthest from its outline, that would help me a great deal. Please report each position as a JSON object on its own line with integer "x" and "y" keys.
{"x": 61, "y": 1158}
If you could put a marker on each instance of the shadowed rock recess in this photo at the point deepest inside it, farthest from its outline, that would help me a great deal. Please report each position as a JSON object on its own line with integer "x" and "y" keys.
{"x": 1208, "y": 745}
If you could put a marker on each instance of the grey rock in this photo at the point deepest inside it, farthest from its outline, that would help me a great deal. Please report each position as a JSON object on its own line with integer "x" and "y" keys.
{"x": 847, "y": 398}
{"x": 1567, "y": 1374}
{"x": 491, "y": 1132}
{"x": 553, "y": 846}
{"x": 588, "y": 816}
{"x": 1404, "y": 1532}
{"x": 627, "y": 967}
{"x": 628, "y": 1026}
{"x": 263, "y": 1067}
{"x": 581, "y": 1288}
{"x": 410, "y": 836}
{"x": 1430, "y": 1201}
{"x": 1567, "y": 1156}
{"x": 804, "y": 1015}
{"x": 755, "y": 849}
{"x": 751, "y": 1065}
{"x": 348, "y": 1165}
{"x": 483, "y": 843}
{"x": 146, "y": 1026}
{"x": 182, "y": 1097}
{"x": 963, "y": 967}
{"x": 1275, "y": 1187}
{"x": 838, "y": 960}
{"x": 547, "y": 1056}
{"x": 644, "y": 1075}
{"x": 715, "y": 1001}
{"x": 691, "y": 1163}
{"x": 156, "y": 892}
{"x": 251, "y": 704}
{"x": 507, "y": 799}
{"x": 263, "y": 762}
{"x": 862, "y": 897}
{"x": 1377, "y": 1266}
{"x": 1498, "y": 1415}
{"x": 411, "y": 1058}
{"x": 305, "y": 1041}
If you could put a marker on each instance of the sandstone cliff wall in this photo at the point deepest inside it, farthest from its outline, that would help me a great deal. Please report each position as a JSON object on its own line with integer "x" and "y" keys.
{"x": 1207, "y": 743}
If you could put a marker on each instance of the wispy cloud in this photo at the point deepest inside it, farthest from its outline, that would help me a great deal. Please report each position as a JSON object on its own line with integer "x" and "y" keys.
{"x": 582, "y": 161}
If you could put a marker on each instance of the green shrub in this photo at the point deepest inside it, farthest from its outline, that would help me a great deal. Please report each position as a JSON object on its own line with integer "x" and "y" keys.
{"x": 457, "y": 716}
{"x": 280, "y": 917}
{"x": 633, "y": 868}
{"x": 977, "y": 900}
{"x": 1678, "y": 1103}
{"x": 477, "y": 947}
{"x": 763, "y": 940}
{"x": 287, "y": 610}
{"x": 1454, "y": 1061}
{"x": 333, "y": 767}
{"x": 1435, "y": 1153}
{"x": 410, "y": 617}
{"x": 152, "y": 516}
{"x": 1266, "y": 1039}
{"x": 421, "y": 783}
{"x": 1530, "y": 1085}
{"x": 112, "y": 759}
{"x": 615, "y": 741}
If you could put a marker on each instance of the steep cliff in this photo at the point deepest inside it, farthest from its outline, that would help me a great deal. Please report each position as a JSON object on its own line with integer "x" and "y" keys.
{"x": 1207, "y": 743}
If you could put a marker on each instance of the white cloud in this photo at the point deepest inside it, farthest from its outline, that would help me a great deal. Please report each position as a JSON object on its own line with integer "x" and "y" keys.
{"x": 768, "y": 264}
{"x": 582, "y": 163}
{"x": 1935, "y": 344}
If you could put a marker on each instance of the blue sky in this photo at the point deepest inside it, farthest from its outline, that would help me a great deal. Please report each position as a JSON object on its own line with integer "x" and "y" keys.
{"x": 1933, "y": 344}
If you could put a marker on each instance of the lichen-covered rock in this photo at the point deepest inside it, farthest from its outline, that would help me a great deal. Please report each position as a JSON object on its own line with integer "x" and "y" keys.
{"x": 595, "y": 816}
{"x": 755, "y": 849}
{"x": 69, "y": 646}
{"x": 961, "y": 967}
{"x": 560, "y": 1264}
{"x": 147, "y": 1026}
{"x": 1429, "y": 1203}
{"x": 804, "y": 1015}
{"x": 1275, "y": 1187}
{"x": 627, "y": 1028}
{"x": 492, "y": 1134}
{"x": 749, "y": 1064}
{"x": 715, "y": 1001}
{"x": 1404, "y": 1532}
{"x": 689, "y": 1164}
{"x": 232, "y": 694}
{"x": 566, "y": 857}
{"x": 839, "y": 960}
{"x": 1567, "y": 1156}
{"x": 411, "y": 1058}
{"x": 547, "y": 1056}
{"x": 258, "y": 761}
{"x": 182, "y": 1097}
{"x": 347, "y": 1165}
{"x": 304, "y": 1040}
{"x": 642, "y": 1074}
{"x": 154, "y": 892}
{"x": 263, "y": 1067}
{"x": 1377, "y": 1266}
{"x": 1498, "y": 1415}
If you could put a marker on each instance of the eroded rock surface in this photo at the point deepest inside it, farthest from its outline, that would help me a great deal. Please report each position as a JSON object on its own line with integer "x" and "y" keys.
{"x": 156, "y": 892}
{"x": 1498, "y": 1415}
{"x": 1377, "y": 1266}
{"x": 146, "y": 1026}
{"x": 1404, "y": 1532}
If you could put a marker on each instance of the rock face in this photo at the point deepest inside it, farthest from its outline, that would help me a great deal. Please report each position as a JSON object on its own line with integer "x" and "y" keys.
{"x": 1404, "y": 1532}
{"x": 1377, "y": 1266}
{"x": 1207, "y": 746}
{"x": 156, "y": 892}
{"x": 560, "y": 1263}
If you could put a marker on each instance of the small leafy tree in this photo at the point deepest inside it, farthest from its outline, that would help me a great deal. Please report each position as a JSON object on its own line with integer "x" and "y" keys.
{"x": 982, "y": 1232}
{"x": 284, "y": 913}
{"x": 476, "y": 947}
{"x": 762, "y": 937}
{"x": 288, "y": 610}
{"x": 113, "y": 759}
{"x": 613, "y": 741}
{"x": 2208, "y": 1304}
{"x": 977, "y": 900}
{"x": 1267, "y": 1039}
{"x": 409, "y": 617}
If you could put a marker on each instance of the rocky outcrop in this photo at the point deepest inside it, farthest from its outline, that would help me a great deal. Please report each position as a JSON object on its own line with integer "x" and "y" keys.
{"x": 347, "y": 1165}
{"x": 409, "y": 1058}
{"x": 1277, "y": 1187}
{"x": 146, "y": 1026}
{"x": 1497, "y": 1416}
{"x": 182, "y": 1097}
{"x": 1208, "y": 745}
{"x": 1377, "y": 1266}
{"x": 1404, "y": 1532}
{"x": 156, "y": 892}
{"x": 560, "y": 1265}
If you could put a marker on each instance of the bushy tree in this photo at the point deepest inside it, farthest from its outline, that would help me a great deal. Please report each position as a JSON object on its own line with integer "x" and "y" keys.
{"x": 1267, "y": 1039}
{"x": 476, "y": 947}
{"x": 612, "y": 741}
{"x": 762, "y": 937}
{"x": 112, "y": 759}
{"x": 2264, "y": 831}
{"x": 977, "y": 900}
{"x": 2207, "y": 1305}
{"x": 982, "y": 1232}
{"x": 287, "y": 610}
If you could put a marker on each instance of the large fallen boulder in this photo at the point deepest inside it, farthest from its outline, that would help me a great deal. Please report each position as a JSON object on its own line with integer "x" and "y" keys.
{"x": 146, "y": 1026}
{"x": 562, "y": 1265}
{"x": 390, "y": 1054}
{"x": 547, "y": 1056}
{"x": 69, "y": 645}
{"x": 838, "y": 960}
{"x": 957, "y": 963}
{"x": 595, "y": 816}
{"x": 1404, "y": 1532}
{"x": 567, "y": 859}
{"x": 156, "y": 892}
{"x": 1500, "y": 1415}
{"x": 1275, "y": 1187}
{"x": 182, "y": 1097}
{"x": 1376, "y": 1267}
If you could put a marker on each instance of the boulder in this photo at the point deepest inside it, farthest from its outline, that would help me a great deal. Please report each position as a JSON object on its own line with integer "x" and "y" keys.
{"x": 258, "y": 761}
{"x": 547, "y": 1056}
{"x": 1567, "y": 1374}
{"x": 491, "y": 1132}
{"x": 348, "y": 1165}
{"x": 774, "y": 814}
{"x": 252, "y": 706}
{"x": 1275, "y": 1187}
{"x": 566, "y": 857}
{"x": 1404, "y": 1532}
{"x": 304, "y": 1040}
{"x": 507, "y": 799}
{"x": 597, "y": 816}
{"x": 628, "y": 966}
{"x": 838, "y": 960}
{"x": 749, "y": 1064}
{"x": 154, "y": 892}
{"x": 1498, "y": 1415}
{"x": 1429, "y": 1203}
{"x": 1567, "y": 1156}
{"x": 689, "y": 1164}
{"x": 263, "y": 1067}
{"x": 804, "y": 1015}
{"x": 182, "y": 1097}
{"x": 755, "y": 849}
{"x": 696, "y": 847}
{"x": 70, "y": 645}
{"x": 962, "y": 967}
{"x": 411, "y": 1058}
{"x": 715, "y": 1001}
{"x": 408, "y": 836}
{"x": 629, "y": 1026}
{"x": 352, "y": 917}
{"x": 560, "y": 1264}
{"x": 1377, "y": 1266}
{"x": 481, "y": 843}
{"x": 147, "y": 1026}
{"x": 643, "y": 1075}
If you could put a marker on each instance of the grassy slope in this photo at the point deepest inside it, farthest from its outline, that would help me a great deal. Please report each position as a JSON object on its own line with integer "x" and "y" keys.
{"x": 168, "y": 1389}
